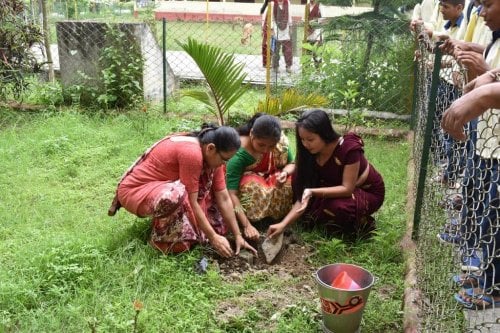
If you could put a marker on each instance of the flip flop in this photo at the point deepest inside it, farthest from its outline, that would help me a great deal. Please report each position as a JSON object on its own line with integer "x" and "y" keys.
{"x": 467, "y": 281}
{"x": 477, "y": 301}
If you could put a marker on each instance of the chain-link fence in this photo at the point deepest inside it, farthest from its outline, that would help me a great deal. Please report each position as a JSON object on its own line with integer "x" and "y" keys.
{"x": 457, "y": 208}
{"x": 354, "y": 67}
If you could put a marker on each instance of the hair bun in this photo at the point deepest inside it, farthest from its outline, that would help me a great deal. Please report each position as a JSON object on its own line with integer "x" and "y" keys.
{"x": 209, "y": 126}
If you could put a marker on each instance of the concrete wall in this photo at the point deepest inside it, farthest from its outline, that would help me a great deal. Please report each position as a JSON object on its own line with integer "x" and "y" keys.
{"x": 80, "y": 44}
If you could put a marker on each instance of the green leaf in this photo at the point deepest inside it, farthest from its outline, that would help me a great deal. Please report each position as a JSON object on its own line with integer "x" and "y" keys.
{"x": 224, "y": 77}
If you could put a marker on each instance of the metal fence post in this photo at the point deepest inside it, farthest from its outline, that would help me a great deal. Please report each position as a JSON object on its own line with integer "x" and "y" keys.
{"x": 431, "y": 113}
{"x": 164, "y": 61}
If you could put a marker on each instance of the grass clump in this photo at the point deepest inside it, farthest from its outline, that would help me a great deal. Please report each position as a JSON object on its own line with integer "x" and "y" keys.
{"x": 67, "y": 266}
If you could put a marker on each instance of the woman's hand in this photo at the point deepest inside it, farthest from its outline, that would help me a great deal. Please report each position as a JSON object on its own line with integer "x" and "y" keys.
{"x": 242, "y": 243}
{"x": 275, "y": 229}
{"x": 282, "y": 177}
{"x": 250, "y": 232}
{"x": 222, "y": 246}
{"x": 306, "y": 195}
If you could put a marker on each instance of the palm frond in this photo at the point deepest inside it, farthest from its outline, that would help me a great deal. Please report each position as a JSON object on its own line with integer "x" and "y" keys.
{"x": 290, "y": 100}
{"x": 224, "y": 77}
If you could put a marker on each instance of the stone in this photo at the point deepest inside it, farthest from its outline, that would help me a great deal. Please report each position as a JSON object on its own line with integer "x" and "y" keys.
{"x": 247, "y": 256}
{"x": 271, "y": 247}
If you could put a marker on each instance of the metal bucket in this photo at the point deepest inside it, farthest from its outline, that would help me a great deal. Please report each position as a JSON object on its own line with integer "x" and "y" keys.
{"x": 343, "y": 308}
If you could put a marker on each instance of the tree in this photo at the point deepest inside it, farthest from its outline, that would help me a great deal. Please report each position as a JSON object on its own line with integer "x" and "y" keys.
{"x": 17, "y": 35}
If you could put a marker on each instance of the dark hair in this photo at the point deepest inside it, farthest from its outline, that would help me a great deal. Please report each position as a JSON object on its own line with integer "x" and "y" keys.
{"x": 453, "y": 2}
{"x": 263, "y": 126}
{"x": 315, "y": 121}
{"x": 224, "y": 138}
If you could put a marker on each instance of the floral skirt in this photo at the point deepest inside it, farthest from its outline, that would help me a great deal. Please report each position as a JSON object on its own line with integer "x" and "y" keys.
{"x": 263, "y": 197}
{"x": 173, "y": 226}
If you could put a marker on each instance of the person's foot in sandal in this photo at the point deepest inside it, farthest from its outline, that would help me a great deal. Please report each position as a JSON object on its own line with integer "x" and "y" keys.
{"x": 466, "y": 281}
{"x": 476, "y": 299}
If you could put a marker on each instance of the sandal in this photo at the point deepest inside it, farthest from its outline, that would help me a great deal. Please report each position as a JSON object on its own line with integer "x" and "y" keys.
{"x": 468, "y": 280}
{"x": 474, "y": 299}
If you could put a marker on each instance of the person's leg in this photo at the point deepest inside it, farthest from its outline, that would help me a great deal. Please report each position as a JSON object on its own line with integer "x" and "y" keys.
{"x": 490, "y": 224}
{"x": 347, "y": 215}
{"x": 171, "y": 229}
{"x": 287, "y": 52}
{"x": 276, "y": 55}
{"x": 264, "y": 48}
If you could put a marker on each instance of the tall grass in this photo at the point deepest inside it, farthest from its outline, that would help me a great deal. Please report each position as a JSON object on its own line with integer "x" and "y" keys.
{"x": 68, "y": 267}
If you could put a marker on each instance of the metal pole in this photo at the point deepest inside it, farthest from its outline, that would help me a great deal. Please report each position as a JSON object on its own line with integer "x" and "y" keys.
{"x": 431, "y": 113}
{"x": 268, "y": 50}
{"x": 164, "y": 60}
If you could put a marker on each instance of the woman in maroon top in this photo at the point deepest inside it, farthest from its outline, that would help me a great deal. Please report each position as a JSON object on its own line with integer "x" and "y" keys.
{"x": 334, "y": 185}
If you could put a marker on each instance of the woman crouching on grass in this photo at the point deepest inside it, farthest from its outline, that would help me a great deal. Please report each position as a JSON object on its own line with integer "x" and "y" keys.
{"x": 334, "y": 185}
{"x": 258, "y": 176}
{"x": 180, "y": 183}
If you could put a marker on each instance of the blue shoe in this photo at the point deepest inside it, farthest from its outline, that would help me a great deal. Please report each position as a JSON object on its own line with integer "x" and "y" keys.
{"x": 471, "y": 263}
{"x": 448, "y": 238}
{"x": 452, "y": 226}
{"x": 468, "y": 280}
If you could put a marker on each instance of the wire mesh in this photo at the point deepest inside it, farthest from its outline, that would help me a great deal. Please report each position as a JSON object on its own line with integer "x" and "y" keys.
{"x": 457, "y": 218}
{"x": 327, "y": 68}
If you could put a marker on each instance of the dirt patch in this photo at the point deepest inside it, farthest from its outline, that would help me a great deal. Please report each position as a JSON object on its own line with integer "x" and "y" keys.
{"x": 293, "y": 261}
{"x": 291, "y": 267}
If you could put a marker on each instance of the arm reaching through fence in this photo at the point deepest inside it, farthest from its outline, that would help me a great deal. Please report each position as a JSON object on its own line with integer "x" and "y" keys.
{"x": 486, "y": 95}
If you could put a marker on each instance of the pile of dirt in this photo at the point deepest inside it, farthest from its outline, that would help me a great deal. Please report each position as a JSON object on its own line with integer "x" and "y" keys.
{"x": 292, "y": 261}
{"x": 292, "y": 266}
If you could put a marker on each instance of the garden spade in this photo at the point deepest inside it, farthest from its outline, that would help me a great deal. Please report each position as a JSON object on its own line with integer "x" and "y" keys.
{"x": 271, "y": 247}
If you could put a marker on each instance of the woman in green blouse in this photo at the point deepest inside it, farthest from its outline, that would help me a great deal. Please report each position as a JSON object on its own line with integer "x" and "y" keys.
{"x": 258, "y": 176}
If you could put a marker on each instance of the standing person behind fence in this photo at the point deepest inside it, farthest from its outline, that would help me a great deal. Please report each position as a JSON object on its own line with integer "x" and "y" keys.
{"x": 452, "y": 12}
{"x": 422, "y": 12}
{"x": 180, "y": 183}
{"x": 476, "y": 38}
{"x": 484, "y": 226}
{"x": 314, "y": 35}
{"x": 282, "y": 23}
{"x": 258, "y": 176}
{"x": 477, "y": 64}
{"x": 484, "y": 94}
{"x": 431, "y": 22}
{"x": 334, "y": 185}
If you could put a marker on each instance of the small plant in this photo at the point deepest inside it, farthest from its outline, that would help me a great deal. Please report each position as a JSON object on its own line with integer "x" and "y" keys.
{"x": 138, "y": 308}
{"x": 290, "y": 100}
{"x": 120, "y": 82}
{"x": 122, "y": 70}
{"x": 224, "y": 78}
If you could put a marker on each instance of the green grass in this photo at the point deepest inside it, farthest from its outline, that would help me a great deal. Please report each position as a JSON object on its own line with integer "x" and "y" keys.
{"x": 68, "y": 267}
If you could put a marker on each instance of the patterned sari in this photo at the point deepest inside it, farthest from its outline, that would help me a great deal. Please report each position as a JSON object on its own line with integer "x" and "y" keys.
{"x": 260, "y": 193}
{"x": 174, "y": 227}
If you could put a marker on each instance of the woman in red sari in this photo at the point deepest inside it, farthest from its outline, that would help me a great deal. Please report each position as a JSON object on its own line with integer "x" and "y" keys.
{"x": 180, "y": 183}
{"x": 334, "y": 185}
{"x": 258, "y": 175}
